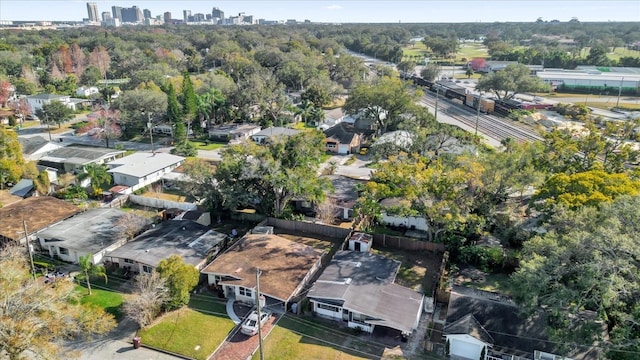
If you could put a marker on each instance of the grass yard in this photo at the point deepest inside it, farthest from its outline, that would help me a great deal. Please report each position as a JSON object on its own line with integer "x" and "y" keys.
{"x": 165, "y": 196}
{"x": 472, "y": 50}
{"x": 616, "y": 55}
{"x": 295, "y": 338}
{"x": 201, "y": 145}
{"x": 499, "y": 283}
{"x": 110, "y": 301}
{"x": 418, "y": 269}
{"x": 188, "y": 332}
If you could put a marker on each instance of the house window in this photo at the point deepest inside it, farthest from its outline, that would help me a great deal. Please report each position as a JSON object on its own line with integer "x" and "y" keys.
{"x": 147, "y": 269}
{"x": 63, "y": 251}
{"x": 245, "y": 292}
{"x": 328, "y": 307}
{"x": 128, "y": 261}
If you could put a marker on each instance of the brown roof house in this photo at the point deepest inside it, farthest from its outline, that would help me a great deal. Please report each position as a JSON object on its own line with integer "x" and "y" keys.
{"x": 285, "y": 268}
{"x": 342, "y": 139}
{"x": 37, "y": 212}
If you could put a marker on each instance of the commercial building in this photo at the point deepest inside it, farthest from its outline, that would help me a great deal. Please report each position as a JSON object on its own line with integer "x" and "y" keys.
{"x": 593, "y": 80}
{"x": 92, "y": 11}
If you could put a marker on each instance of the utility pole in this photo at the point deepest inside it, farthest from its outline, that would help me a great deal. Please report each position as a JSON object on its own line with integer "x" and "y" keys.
{"x": 26, "y": 238}
{"x": 435, "y": 113}
{"x": 619, "y": 91}
{"x": 258, "y": 311}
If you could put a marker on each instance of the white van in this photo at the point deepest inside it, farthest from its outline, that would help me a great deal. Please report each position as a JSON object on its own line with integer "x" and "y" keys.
{"x": 163, "y": 130}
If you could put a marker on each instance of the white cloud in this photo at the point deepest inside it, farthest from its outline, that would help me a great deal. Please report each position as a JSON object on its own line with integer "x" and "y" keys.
{"x": 334, "y": 7}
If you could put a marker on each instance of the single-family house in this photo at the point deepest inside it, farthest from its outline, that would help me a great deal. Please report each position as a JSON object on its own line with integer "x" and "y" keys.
{"x": 342, "y": 139}
{"x": 358, "y": 288}
{"x": 34, "y": 214}
{"x": 142, "y": 168}
{"x": 37, "y": 101}
{"x": 73, "y": 158}
{"x": 344, "y": 195}
{"x": 264, "y": 135}
{"x": 195, "y": 243}
{"x": 478, "y": 320}
{"x": 393, "y": 142}
{"x": 233, "y": 132}
{"x": 87, "y": 91}
{"x": 35, "y": 147}
{"x": 95, "y": 232}
{"x": 286, "y": 267}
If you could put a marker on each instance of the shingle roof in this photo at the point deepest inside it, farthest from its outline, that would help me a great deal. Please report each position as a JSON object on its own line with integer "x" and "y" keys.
{"x": 46, "y": 96}
{"x": 39, "y": 212}
{"x": 283, "y": 264}
{"x": 92, "y": 230}
{"x": 276, "y": 131}
{"x": 364, "y": 284}
{"x": 81, "y": 154}
{"x": 143, "y": 163}
{"x": 342, "y": 132}
{"x": 186, "y": 238}
{"x": 32, "y": 144}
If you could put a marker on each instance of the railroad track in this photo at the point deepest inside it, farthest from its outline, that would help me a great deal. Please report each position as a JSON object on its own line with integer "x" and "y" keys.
{"x": 489, "y": 125}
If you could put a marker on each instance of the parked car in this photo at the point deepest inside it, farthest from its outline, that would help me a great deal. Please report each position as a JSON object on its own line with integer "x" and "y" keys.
{"x": 250, "y": 324}
{"x": 32, "y": 117}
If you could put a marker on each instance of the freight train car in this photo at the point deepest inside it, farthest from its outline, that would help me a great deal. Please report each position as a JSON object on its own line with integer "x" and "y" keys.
{"x": 486, "y": 105}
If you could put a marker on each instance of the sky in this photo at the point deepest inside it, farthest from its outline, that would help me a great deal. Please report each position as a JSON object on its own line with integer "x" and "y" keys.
{"x": 338, "y": 11}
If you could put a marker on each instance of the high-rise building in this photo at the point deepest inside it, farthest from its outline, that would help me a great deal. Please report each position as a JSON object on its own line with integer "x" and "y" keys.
{"x": 186, "y": 14}
{"x": 146, "y": 13}
{"x": 92, "y": 10}
{"x": 167, "y": 17}
{"x": 106, "y": 15}
{"x": 116, "y": 11}
{"x": 217, "y": 13}
{"x": 131, "y": 15}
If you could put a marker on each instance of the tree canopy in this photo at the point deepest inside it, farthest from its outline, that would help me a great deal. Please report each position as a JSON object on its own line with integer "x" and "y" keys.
{"x": 514, "y": 79}
{"x": 181, "y": 278}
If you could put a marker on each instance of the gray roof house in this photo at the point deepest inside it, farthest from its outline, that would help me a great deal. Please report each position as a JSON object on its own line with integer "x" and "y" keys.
{"x": 480, "y": 319}
{"x": 195, "y": 243}
{"x": 233, "y": 132}
{"x": 262, "y": 136}
{"x": 142, "y": 168}
{"x": 73, "y": 158}
{"x": 342, "y": 138}
{"x": 95, "y": 231}
{"x": 358, "y": 287}
{"x": 35, "y": 147}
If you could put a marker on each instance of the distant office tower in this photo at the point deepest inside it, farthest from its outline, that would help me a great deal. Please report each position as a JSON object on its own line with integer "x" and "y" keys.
{"x": 92, "y": 10}
{"x": 106, "y": 15}
{"x": 198, "y": 17}
{"x": 131, "y": 15}
{"x": 167, "y": 17}
{"x": 116, "y": 11}
{"x": 217, "y": 14}
{"x": 248, "y": 19}
{"x": 186, "y": 14}
{"x": 147, "y": 13}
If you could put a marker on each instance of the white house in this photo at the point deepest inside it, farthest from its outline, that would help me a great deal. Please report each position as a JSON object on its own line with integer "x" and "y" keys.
{"x": 35, "y": 147}
{"x": 36, "y": 101}
{"x": 87, "y": 91}
{"x": 358, "y": 288}
{"x": 262, "y": 136}
{"x": 95, "y": 232}
{"x": 141, "y": 169}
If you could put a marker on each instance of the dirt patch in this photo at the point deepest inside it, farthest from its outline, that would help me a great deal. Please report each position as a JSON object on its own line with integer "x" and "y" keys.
{"x": 309, "y": 241}
{"x": 419, "y": 269}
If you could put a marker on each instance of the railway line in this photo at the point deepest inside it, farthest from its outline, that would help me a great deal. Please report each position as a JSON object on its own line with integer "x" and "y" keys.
{"x": 491, "y": 126}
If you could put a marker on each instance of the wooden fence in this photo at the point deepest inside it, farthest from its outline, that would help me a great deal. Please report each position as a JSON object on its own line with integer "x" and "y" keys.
{"x": 405, "y": 243}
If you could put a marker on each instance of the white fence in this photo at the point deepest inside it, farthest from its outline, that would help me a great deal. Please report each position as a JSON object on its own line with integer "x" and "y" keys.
{"x": 160, "y": 203}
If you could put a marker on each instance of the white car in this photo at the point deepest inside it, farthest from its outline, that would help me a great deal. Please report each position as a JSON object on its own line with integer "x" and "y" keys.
{"x": 250, "y": 324}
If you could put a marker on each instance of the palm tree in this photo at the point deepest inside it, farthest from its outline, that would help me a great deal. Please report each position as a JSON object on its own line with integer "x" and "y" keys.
{"x": 98, "y": 175}
{"x": 90, "y": 269}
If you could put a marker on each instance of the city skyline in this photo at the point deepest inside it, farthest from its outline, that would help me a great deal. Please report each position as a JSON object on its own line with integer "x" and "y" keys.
{"x": 361, "y": 11}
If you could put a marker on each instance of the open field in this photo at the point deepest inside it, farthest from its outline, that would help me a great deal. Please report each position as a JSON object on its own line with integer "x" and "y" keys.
{"x": 472, "y": 50}
{"x": 616, "y": 55}
{"x": 296, "y": 338}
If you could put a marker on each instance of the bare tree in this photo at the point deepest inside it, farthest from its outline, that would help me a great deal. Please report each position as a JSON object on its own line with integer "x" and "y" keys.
{"x": 326, "y": 211}
{"x": 36, "y": 316}
{"x": 131, "y": 224}
{"x": 149, "y": 296}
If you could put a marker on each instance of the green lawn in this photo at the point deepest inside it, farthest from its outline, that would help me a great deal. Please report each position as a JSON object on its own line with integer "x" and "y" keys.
{"x": 616, "y": 55}
{"x": 472, "y": 50}
{"x": 295, "y": 338}
{"x": 201, "y": 145}
{"x": 110, "y": 301}
{"x": 190, "y": 332}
